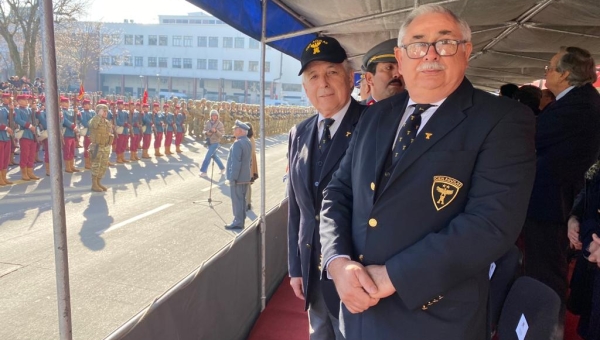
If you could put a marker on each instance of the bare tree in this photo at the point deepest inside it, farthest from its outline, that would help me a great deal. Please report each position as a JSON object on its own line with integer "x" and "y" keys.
{"x": 79, "y": 47}
{"x": 20, "y": 28}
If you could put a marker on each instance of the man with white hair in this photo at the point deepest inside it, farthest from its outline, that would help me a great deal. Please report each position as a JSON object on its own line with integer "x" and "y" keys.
{"x": 316, "y": 147}
{"x": 433, "y": 188}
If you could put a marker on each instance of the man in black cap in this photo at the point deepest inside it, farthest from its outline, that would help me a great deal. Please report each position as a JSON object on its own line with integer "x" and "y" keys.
{"x": 316, "y": 147}
{"x": 382, "y": 73}
{"x": 238, "y": 173}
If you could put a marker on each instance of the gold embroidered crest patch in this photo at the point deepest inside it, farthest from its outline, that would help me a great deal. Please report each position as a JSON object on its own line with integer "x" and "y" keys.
{"x": 315, "y": 45}
{"x": 444, "y": 190}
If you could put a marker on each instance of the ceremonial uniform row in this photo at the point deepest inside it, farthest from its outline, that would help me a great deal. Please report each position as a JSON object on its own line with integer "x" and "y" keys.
{"x": 135, "y": 127}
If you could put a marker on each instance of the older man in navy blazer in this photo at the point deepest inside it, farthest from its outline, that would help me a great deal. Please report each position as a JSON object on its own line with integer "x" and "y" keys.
{"x": 433, "y": 188}
{"x": 567, "y": 143}
{"x": 316, "y": 147}
{"x": 238, "y": 173}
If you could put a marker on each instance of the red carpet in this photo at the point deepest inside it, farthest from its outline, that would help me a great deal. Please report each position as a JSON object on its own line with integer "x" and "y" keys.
{"x": 285, "y": 318}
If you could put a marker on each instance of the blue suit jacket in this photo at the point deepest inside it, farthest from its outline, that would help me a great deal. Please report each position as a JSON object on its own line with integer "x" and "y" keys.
{"x": 303, "y": 210}
{"x": 567, "y": 143}
{"x": 454, "y": 203}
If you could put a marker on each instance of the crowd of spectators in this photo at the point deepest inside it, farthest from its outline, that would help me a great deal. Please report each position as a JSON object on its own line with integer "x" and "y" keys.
{"x": 23, "y": 84}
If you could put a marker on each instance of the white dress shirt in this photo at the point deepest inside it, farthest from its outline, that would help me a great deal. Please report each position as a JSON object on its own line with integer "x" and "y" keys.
{"x": 338, "y": 117}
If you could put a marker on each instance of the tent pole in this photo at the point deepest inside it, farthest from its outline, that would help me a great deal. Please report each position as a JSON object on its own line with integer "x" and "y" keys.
{"x": 262, "y": 226}
{"x": 61, "y": 259}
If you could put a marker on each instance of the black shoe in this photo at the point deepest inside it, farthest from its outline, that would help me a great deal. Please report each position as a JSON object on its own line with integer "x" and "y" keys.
{"x": 231, "y": 226}
{"x": 249, "y": 207}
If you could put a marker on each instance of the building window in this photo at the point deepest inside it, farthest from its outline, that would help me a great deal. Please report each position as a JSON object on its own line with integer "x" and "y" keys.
{"x": 168, "y": 21}
{"x": 151, "y": 61}
{"x": 239, "y": 42}
{"x": 238, "y": 84}
{"x": 227, "y": 42}
{"x": 163, "y": 40}
{"x": 213, "y": 41}
{"x": 127, "y": 61}
{"x": 267, "y": 66}
{"x": 152, "y": 40}
{"x": 213, "y": 64}
{"x": 162, "y": 62}
{"x": 139, "y": 39}
{"x": 114, "y": 60}
{"x": 128, "y": 39}
{"x": 181, "y": 21}
{"x": 201, "y": 41}
{"x": 253, "y": 66}
{"x": 253, "y": 43}
{"x": 291, "y": 87}
{"x": 176, "y": 62}
{"x": 201, "y": 64}
{"x": 227, "y": 65}
{"x": 187, "y": 41}
{"x": 187, "y": 62}
{"x": 139, "y": 61}
{"x": 116, "y": 38}
{"x": 176, "y": 40}
{"x": 105, "y": 60}
{"x": 238, "y": 65}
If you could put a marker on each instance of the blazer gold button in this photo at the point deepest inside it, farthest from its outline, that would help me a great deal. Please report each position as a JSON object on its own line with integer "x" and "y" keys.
{"x": 361, "y": 257}
{"x": 373, "y": 222}
{"x": 372, "y": 186}
{"x": 317, "y": 217}
{"x": 308, "y": 246}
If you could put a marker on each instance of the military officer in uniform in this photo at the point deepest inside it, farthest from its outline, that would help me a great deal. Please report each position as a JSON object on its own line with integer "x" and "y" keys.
{"x": 159, "y": 122}
{"x": 136, "y": 124}
{"x": 70, "y": 135}
{"x": 169, "y": 129}
{"x": 381, "y": 71}
{"x": 148, "y": 127}
{"x": 238, "y": 173}
{"x": 101, "y": 140}
{"x": 122, "y": 121}
{"x": 180, "y": 119}
{"x": 27, "y": 143}
{"x": 6, "y": 134}
{"x": 86, "y": 116}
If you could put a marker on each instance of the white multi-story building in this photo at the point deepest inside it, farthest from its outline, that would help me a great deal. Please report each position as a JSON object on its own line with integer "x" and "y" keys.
{"x": 194, "y": 56}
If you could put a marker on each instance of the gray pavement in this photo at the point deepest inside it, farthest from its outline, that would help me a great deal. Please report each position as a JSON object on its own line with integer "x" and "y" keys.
{"x": 126, "y": 246}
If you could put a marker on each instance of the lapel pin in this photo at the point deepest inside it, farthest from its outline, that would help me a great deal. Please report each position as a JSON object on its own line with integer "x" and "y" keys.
{"x": 348, "y": 134}
{"x": 428, "y": 135}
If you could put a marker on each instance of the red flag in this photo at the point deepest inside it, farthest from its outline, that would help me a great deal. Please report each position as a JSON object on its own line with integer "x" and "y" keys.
{"x": 81, "y": 92}
{"x": 145, "y": 97}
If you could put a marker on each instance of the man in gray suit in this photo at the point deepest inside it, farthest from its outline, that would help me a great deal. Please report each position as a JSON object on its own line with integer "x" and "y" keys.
{"x": 238, "y": 173}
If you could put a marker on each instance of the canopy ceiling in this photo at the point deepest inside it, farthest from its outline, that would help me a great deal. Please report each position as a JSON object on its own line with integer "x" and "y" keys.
{"x": 512, "y": 39}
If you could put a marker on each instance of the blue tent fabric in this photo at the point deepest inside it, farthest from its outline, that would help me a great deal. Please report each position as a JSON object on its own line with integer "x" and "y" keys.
{"x": 246, "y": 17}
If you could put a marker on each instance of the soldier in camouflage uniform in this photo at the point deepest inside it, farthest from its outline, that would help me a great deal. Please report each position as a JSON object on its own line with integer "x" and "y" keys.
{"x": 101, "y": 137}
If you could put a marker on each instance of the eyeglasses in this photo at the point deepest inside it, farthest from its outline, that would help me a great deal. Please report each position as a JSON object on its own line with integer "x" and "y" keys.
{"x": 444, "y": 48}
{"x": 548, "y": 68}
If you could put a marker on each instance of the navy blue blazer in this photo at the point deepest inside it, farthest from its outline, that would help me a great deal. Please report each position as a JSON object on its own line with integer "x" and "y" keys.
{"x": 303, "y": 211}
{"x": 567, "y": 142}
{"x": 454, "y": 203}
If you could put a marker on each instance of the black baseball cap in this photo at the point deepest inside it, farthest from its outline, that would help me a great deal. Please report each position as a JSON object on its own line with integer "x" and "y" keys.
{"x": 322, "y": 48}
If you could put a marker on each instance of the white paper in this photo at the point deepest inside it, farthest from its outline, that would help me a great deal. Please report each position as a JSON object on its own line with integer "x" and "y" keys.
{"x": 492, "y": 269}
{"x": 522, "y": 328}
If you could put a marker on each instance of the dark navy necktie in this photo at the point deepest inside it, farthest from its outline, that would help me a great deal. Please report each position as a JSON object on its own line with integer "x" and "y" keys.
{"x": 326, "y": 137}
{"x": 408, "y": 132}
